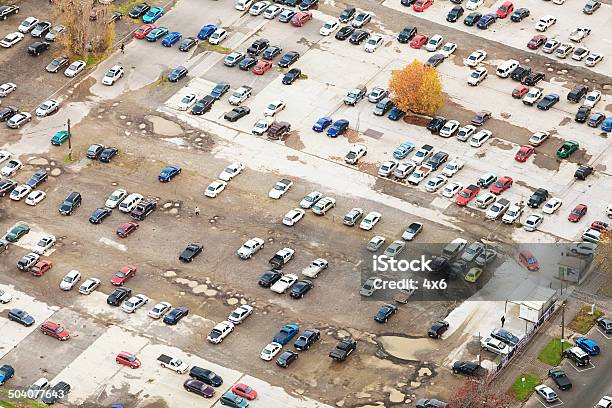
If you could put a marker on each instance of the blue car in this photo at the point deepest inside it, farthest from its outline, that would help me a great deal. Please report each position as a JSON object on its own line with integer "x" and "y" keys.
{"x": 338, "y": 128}
{"x": 219, "y": 90}
{"x": 396, "y": 113}
{"x": 485, "y": 21}
{"x": 322, "y": 124}
{"x": 588, "y": 345}
{"x": 285, "y": 334}
{"x": 21, "y": 317}
{"x": 6, "y": 373}
{"x": 175, "y": 315}
{"x": 606, "y": 125}
{"x": 403, "y": 150}
{"x": 171, "y": 39}
{"x": 207, "y": 31}
{"x": 169, "y": 173}
{"x": 385, "y": 312}
{"x": 156, "y": 34}
{"x": 177, "y": 73}
{"x": 153, "y": 15}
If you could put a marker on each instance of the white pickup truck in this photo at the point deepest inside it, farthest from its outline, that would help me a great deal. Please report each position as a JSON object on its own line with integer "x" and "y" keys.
{"x": 173, "y": 363}
{"x": 419, "y": 174}
{"x": 452, "y": 167}
{"x": 240, "y": 95}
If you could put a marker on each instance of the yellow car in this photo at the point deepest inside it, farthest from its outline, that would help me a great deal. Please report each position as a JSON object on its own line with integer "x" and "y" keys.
{"x": 473, "y": 274}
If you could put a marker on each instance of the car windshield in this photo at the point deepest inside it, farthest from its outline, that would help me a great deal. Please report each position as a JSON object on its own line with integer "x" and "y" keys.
{"x": 68, "y": 279}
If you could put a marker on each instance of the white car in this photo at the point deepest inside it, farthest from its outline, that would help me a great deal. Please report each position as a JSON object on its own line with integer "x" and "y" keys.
{"x": 89, "y": 286}
{"x": 593, "y": 59}
{"x": 19, "y": 192}
{"x": 552, "y": 205}
{"x": 44, "y": 244}
{"x": 435, "y": 42}
{"x": 274, "y": 107}
{"x": 35, "y": 197}
{"x": 47, "y": 108}
{"x": 373, "y": 43}
{"x": 293, "y": 217}
{"x": 159, "y": 310}
{"x": 323, "y": 205}
{"x": 261, "y": 126}
{"x": 386, "y": 168}
{"x": 329, "y": 27}
{"x": 231, "y": 171}
{"x": 259, "y": 7}
{"x": 477, "y": 76}
{"x": 215, "y": 188}
{"x": 5, "y": 297}
{"x": 272, "y": 11}
{"x": 538, "y": 137}
{"x": 219, "y": 35}
{"x": 220, "y": 331}
{"x": 370, "y": 220}
{"x": 494, "y": 346}
{"x": 112, "y": 75}
{"x": 512, "y": 214}
{"x": 18, "y": 120}
{"x": 580, "y": 53}
{"x": 475, "y": 58}
{"x": 240, "y": 314}
{"x": 547, "y": 393}
{"x": 11, "y": 168}
{"x": 404, "y": 169}
{"x": 310, "y": 199}
{"x": 480, "y": 138}
{"x": 133, "y": 303}
{"x": 249, "y": 248}
{"x": 27, "y": 25}
{"x": 448, "y": 49}
{"x": 7, "y": 88}
{"x": 4, "y": 156}
{"x": 473, "y": 4}
{"x": 580, "y": 34}
{"x": 70, "y": 280}
{"x": 130, "y": 202}
{"x": 315, "y": 267}
{"x": 11, "y": 39}
{"x": 434, "y": 184}
{"x": 115, "y": 198}
{"x": 449, "y": 128}
{"x": 532, "y": 96}
{"x": 451, "y": 189}
{"x": 356, "y": 152}
{"x": 485, "y": 199}
{"x": 280, "y": 188}
{"x": 592, "y": 98}
{"x": 604, "y": 402}
{"x": 75, "y": 68}
{"x": 465, "y": 132}
{"x": 375, "y": 243}
{"x": 270, "y": 351}
{"x": 533, "y": 222}
{"x": 284, "y": 283}
{"x": 544, "y": 23}
{"x": 187, "y": 101}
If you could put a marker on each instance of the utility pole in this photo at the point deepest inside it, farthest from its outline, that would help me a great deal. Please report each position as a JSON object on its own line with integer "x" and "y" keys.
{"x": 562, "y": 326}
{"x": 69, "y": 142}
{"x": 480, "y": 351}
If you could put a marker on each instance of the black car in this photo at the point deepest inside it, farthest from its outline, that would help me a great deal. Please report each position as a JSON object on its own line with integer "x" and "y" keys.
{"x": 407, "y": 3}
{"x": 57, "y": 392}
{"x": 175, "y": 315}
{"x": 396, "y": 114}
{"x": 247, "y": 63}
{"x": 595, "y": 119}
{"x": 177, "y": 73}
{"x": 56, "y": 64}
{"x": 38, "y": 48}
{"x": 307, "y": 4}
{"x": 6, "y": 11}
{"x": 203, "y": 105}
{"x": 38, "y": 177}
{"x": 94, "y": 151}
{"x": 437, "y": 160}
{"x": 286, "y": 358}
{"x": 107, "y": 154}
{"x": 99, "y": 215}
{"x": 406, "y": 34}
{"x": 115, "y": 17}
{"x": 269, "y": 278}
{"x": 538, "y": 198}
{"x": 519, "y": 14}
{"x": 300, "y": 288}
{"x": 385, "y": 312}
{"x": 206, "y": 376}
{"x": 271, "y": 52}
{"x": 548, "y": 102}
{"x": 237, "y": 113}
{"x": 437, "y": 329}
{"x": 358, "y": 37}
{"x": 465, "y": 367}
{"x": 188, "y": 43}
{"x": 70, "y": 203}
{"x": 198, "y": 387}
{"x": 143, "y": 209}
{"x": 307, "y": 339}
{"x": 533, "y": 78}
{"x": 605, "y": 324}
{"x": 560, "y": 378}
{"x": 288, "y": 59}
{"x": 347, "y": 14}
{"x": 435, "y": 60}
{"x": 139, "y": 10}
{"x": 506, "y": 336}
{"x": 118, "y": 296}
{"x": 582, "y": 114}
{"x": 344, "y": 32}
{"x": 7, "y": 112}
{"x": 472, "y": 19}
{"x": 520, "y": 73}
{"x": 291, "y": 76}
{"x": 194, "y": 249}
{"x": 436, "y": 124}
{"x": 454, "y": 14}
{"x": 6, "y": 186}
{"x": 583, "y": 172}
{"x": 576, "y": 94}
{"x": 258, "y": 46}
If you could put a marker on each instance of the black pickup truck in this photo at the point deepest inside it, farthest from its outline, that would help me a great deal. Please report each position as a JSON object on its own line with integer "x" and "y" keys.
{"x": 343, "y": 349}
{"x": 560, "y": 378}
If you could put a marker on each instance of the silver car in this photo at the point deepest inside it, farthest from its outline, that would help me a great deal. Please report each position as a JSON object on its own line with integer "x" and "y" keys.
{"x": 395, "y": 249}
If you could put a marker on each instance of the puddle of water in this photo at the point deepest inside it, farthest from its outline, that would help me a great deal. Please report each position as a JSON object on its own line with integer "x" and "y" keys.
{"x": 163, "y": 126}
{"x": 405, "y": 348}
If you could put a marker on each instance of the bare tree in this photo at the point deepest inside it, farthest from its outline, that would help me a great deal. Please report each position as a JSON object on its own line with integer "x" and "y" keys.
{"x": 473, "y": 393}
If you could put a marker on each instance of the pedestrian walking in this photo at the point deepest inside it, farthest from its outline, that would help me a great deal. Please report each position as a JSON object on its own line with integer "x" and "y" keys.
{"x": 197, "y": 211}
{"x": 122, "y": 48}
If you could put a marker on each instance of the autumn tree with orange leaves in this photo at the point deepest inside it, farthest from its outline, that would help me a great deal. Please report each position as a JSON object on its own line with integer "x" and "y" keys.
{"x": 417, "y": 88}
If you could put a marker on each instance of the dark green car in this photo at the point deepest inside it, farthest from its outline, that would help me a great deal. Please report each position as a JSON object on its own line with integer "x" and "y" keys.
{"x": 567, "y": 149}
{"x": 17, "y": 232}
{"x": 471, "y": 19}
{"x": 59, "y": 138}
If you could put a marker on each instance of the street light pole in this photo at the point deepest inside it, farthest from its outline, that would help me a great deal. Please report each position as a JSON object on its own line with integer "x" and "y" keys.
{"x": 69, "y": 141}
{"x": 562, "y": 326}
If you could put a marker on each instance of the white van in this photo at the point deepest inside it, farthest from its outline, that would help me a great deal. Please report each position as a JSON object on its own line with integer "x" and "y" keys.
{"x": 505, "y": 68}
{"x": 591, "y": 235}
{"x": 243, "y": 4}
{"x": 130, "y": 202}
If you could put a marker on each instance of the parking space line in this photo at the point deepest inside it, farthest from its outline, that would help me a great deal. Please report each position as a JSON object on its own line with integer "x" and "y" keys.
{"x": 604, "y": 334}
{"x": 592, "y": 366}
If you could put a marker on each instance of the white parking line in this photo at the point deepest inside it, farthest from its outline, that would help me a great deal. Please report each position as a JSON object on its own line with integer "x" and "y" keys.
{"x": 548, "y": 405}
{"x": 580, "y": 370}
{"x": 604, "y": 334}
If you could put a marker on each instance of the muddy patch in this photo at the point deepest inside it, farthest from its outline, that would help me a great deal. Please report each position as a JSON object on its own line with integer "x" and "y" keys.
{"x": 369, "y": 168}
{"x": 293, "y": 141}
{"x": 406, "y": 348}
{"x": 163, "y": 126}
{"x": 565, "y": 121}
{"x": 546, "y": 162}
{"x": 353, "y": 136}
{"x": 416, "y": 120}
{"x": 501, "y": 144}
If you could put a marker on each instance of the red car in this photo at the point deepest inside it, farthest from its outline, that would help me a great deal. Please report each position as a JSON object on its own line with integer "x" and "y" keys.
{"x": 577, "y": 213}
{"x": 600, "y": 226}
{"x": 505, "y": 10}
{"x": 262, "y": 67}
{"x": 301, "y": 18}
{"x": 536, "y": 42}
{"x": 244, "y": 391}
{"x": 529, "y": 261}
{"x": 422, "y": 5}
{"x": 501, "y": 185}
{"x": 127, "y": 359}
{"x": 41, "y": 267}
{"x": 524, "y": 153}
{"x": 467, "y": 194}
{"x": 124, "y": 274}
{"x": 519, "y": 91}
{"x": 126, "y": 229}
{"x": 419, "y": 40}
{"x": 54, "y": 330}
{"x": 143, "y": 30}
